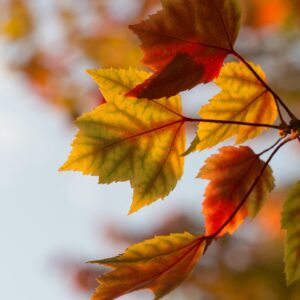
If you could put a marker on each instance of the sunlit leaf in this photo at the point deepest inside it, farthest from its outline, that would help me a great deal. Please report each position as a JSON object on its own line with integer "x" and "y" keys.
{"x": 186, "y": 43}
{"x": 243, "y": 99}
{"x": 291, "y": 222}
{"x": 231, "y": 173}
{"x": 130, "y": 139}
{"x": 160, "y": 264}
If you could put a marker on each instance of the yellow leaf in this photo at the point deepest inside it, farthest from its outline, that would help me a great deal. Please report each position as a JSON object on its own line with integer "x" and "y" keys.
{"x": 115, "y": 50}
{"x": 130, "y": 139}
{"x": 160, "y": 264}
{"x": 243, "y": 99}
{"x": 19, "y": 23}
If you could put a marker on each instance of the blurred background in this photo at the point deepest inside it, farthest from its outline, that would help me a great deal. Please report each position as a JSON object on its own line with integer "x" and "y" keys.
{"x": 51, "y": 223}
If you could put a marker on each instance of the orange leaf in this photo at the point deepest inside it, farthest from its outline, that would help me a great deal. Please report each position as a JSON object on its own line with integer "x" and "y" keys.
{"x": 232, "y": 173}
{"x": 186, "y": 43}
{"x": 19, "y": 22}
{"x": 159, "y": 264}
{"x": 267, "y": 12}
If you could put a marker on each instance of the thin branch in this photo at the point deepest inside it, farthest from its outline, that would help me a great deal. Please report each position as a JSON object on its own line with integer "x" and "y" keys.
{"x": 270, "y": 148}
{"x": 212, "y": 236}
{"x": 231, "y": 122}
{"x": 279, "y": 111}
{"x": 277, "y": 98}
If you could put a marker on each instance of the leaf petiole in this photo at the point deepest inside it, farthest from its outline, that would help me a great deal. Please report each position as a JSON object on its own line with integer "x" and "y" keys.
{"x": 185, "y": 119}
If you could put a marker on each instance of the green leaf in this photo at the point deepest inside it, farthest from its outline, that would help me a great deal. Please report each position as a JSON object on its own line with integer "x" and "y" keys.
{"x": 291, "y": 222}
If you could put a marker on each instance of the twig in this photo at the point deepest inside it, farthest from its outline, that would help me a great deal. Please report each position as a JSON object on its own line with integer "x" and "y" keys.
{"x": 270, "y": 148}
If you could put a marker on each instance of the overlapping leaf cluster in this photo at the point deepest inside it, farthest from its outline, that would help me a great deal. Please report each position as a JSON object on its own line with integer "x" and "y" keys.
{"x": 139, "y": 136}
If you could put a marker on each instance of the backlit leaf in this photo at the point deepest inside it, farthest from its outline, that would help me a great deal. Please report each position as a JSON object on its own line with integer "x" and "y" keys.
{"x": 291, "y": 222}
{"x": 130, "y": 139}
{"x": 186, "y": 43}
{"x": 159, "y": 264}
{"x": 232, "y": 173}
{"x": 243, "y": 99}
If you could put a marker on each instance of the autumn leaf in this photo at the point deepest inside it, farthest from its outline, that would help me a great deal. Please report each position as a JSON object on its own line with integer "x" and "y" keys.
{"x": 263, "y": 13}
{"x": 290, "y": 222}
{"x": 19, "y": 23}
{"x": 232, "y": 173}
{"x": 159, "y": 264}
{"x": 186, "y": 44}
{"x": 113, "y": 50}
{"x": 243, "y": 98}
{"x": 130, "y": 139}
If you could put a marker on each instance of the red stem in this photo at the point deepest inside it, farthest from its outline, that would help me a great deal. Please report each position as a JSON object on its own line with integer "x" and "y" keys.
{"x": 231, "y": 122}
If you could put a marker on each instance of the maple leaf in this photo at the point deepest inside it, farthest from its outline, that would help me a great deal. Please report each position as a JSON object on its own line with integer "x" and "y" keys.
{"x": 186, "y": 44}
{"x": 130, "y": 139}
{"x": 159, "y": 264}
{"x": 231, "y": 173}
{"x": 290, "y": 222}
{"x": 243, "y": 99}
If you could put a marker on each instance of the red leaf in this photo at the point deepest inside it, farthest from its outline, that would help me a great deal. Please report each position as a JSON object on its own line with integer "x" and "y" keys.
{"x": 232, "y": 173}
{"x": 186, "y": 44}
